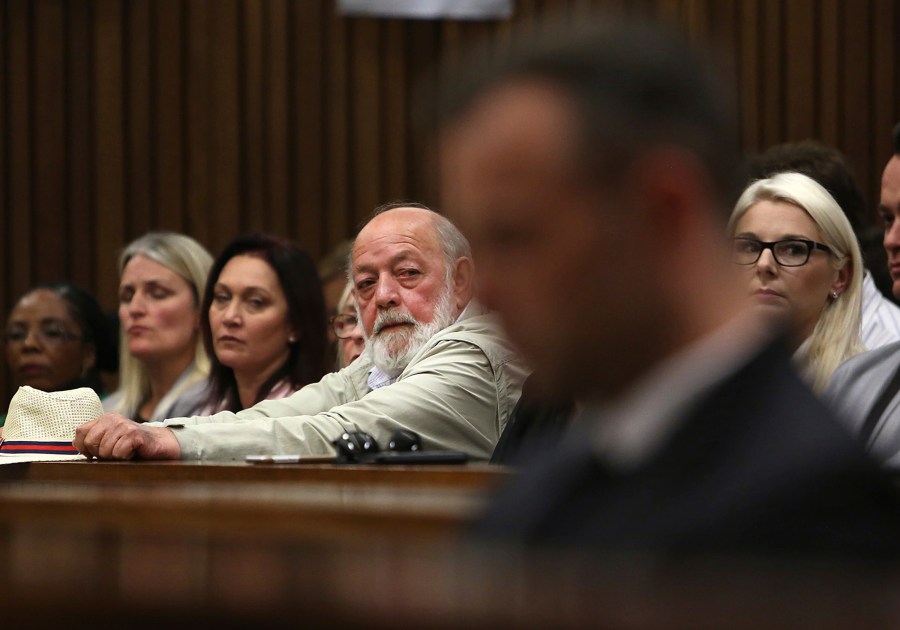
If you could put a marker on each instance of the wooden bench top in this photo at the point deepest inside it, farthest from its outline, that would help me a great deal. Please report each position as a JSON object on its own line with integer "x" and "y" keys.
{"x": 463, "y": 476}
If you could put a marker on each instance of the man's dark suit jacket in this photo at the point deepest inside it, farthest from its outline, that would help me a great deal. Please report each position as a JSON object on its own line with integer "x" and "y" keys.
{"x": 534, "y": 422}
{"x": 758, "y": 467}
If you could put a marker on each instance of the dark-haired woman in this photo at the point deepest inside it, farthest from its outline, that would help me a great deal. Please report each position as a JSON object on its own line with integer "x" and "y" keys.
{"x": 58, "y": 338}
{"x": 264, "y": 324}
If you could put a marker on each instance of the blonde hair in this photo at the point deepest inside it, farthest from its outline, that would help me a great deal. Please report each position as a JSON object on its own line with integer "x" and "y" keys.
{"x": 190, "y": 260}
{"x": 836, "y": 336}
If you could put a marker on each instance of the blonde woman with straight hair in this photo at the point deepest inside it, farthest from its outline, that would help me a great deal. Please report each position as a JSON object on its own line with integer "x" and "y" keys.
{"x": 163, "y": 364}
{"x": 802, "y": 261}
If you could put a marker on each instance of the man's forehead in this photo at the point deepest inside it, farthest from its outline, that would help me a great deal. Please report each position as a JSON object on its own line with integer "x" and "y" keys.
{"x": 518, "y": 115}
{"x": 891, "y": 175}
{"x": 514, "y": 147}
{"x": 404, "y": 232}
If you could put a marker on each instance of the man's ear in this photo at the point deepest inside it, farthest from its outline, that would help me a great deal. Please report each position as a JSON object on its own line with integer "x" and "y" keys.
{"x": 674, "y": 190}
{"x": 463, "y": 282}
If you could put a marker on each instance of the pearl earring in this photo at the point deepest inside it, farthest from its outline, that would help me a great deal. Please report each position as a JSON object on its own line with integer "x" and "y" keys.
{"x": 834, "y": 295}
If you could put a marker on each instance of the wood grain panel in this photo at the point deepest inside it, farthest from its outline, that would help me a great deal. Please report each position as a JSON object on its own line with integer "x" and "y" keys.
{"x": 79, "y": 202}
{"x": 225, "y": 155}
{"x": 4, "y": 151}
{"x": 198, "y": 84}
{"x": 252, "y": 149}
{"x": 168, "y": 106}
{"x": 107, "y": 124}
{"x": 19, "y": 182}
{"x": 336, "y": 119}
{"x": 307, "y": 145}
{"x": 749, "y": 71}
{"x": 139, "y": 95}
{"x": 800, "y": 72}
{"x": 855, "y": 92}
{"x": 49, "y": 141}
{"x": 828, "y": 66}
{"x": 395, "y": 114}
{"x": 368, "y": 146}
{"x": 4, "y": 159}
{"x": 772, "y": 101}
{"x": 277, "y": 117}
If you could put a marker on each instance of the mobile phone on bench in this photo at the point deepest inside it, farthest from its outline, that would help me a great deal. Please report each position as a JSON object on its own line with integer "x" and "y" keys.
{"x": 420, "y": 457}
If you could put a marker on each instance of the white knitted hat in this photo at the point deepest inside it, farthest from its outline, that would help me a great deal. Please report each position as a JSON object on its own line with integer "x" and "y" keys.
{"x": 40, "y": 426}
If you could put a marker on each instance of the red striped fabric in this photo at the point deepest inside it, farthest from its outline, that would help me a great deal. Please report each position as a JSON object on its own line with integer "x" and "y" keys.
{"x": 19, "y": 447}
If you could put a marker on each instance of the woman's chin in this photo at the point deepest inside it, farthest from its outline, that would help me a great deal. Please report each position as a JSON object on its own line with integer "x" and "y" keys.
{"x": 776, "y": 315}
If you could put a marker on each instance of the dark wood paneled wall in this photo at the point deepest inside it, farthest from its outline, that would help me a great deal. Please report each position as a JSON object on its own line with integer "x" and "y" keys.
{"x": 214, "y": 117}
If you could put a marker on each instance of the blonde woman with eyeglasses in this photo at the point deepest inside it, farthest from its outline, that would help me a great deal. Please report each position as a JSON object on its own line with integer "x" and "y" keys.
{"x": 802, "y": 265}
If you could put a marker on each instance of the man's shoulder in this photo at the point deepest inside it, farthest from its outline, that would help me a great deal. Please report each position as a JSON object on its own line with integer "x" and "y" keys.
{"x": 479, "y": 323}
{"x": 760, "y": 444}
{"x": 482, "y": 330}
{"x": 767, "y": 394}
{"x": 883, "y": 358}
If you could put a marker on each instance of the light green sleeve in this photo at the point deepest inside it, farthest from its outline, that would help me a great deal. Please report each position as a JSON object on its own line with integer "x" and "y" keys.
{"x": 334, "y": 389}
{"x": 449, "y": 396}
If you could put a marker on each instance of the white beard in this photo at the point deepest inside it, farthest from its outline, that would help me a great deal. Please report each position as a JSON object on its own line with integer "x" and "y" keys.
{"x": 393, "y": 350}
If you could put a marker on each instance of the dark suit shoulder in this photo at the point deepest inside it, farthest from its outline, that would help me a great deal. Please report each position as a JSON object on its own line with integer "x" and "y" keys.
{"x": 758, "y": 465}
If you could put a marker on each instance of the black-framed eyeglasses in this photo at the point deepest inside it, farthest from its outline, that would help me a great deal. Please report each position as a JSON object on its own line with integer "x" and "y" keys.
{"x": 789, "y": 252}
{"x": 47, "y": 335}
{"x": 343, "y": 325}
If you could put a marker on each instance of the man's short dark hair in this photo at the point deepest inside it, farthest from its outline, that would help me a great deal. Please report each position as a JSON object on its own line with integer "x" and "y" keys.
{"x": 823, "y": 163}
{"x": 633, "y": 86}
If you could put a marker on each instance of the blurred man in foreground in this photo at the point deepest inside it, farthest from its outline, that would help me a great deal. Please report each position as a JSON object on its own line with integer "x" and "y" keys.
{"x": 592, "y": 175}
